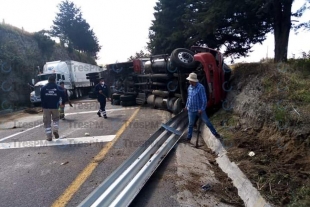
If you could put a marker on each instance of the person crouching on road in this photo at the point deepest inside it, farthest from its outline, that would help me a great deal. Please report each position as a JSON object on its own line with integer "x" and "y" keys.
{"x": 102, "y": 92}
{"x": 196, "y": 105}
{"x": 50, "y": 95}
{"x": 62, "y": 107}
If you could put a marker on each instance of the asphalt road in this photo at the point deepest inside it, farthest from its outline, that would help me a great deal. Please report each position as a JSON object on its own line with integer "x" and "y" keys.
{"x": 42, "y": 175}
{"x": 34, "y": 174}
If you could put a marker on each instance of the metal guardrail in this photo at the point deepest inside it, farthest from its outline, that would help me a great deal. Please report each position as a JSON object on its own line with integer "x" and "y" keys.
{"x": 122, "y": 186}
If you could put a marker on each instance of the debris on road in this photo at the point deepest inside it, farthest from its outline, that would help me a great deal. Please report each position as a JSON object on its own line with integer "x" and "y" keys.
{"x": 64, "y": 163}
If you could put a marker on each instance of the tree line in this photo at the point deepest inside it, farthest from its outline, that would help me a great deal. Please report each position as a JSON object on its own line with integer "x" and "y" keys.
{"x": 235, "y": 25}
{"x": 72, "y": 30}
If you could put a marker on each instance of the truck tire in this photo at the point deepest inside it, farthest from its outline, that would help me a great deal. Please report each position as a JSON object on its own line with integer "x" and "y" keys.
{"x": 177, "y": 106}
{"x": 116, "y": 96}
{"x": 140, "y": 101}
{"x": 170, "y": 103}
{"x": 128, "y": 103}
{"x": 127, "y": 98}
{"x": 76, "y": 93}
{"x": 151, "y": 100}
{"x": 159, "y": 103}
{"x": 184, "y": 58}
{"x": 116, "y": 102}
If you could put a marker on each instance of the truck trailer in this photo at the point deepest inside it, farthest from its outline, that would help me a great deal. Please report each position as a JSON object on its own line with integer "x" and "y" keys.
{"x": 72, "y": 73}
{"x": 161, "y": 81}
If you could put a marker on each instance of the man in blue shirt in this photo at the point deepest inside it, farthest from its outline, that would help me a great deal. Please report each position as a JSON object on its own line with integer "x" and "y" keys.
{"x": 50, "y": 95}
{"x": 196, "y": 105}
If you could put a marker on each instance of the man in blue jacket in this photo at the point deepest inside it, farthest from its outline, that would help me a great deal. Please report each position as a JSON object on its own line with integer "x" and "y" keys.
{"x": 196, "y": 105}
{"x": 50, "y": 95}
{"x": 102, "y": 92}
{"x": 67, "y": 99}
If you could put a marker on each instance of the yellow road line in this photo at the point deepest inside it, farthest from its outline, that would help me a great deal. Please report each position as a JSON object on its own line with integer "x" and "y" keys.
{"x": 87, "y": 171}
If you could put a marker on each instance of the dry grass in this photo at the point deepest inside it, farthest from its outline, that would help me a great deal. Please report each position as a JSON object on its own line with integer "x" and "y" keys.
{"x": 282, "y": 144}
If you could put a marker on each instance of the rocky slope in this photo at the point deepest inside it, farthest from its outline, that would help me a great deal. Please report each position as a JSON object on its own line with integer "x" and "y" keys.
{"x": 20, "y": 55}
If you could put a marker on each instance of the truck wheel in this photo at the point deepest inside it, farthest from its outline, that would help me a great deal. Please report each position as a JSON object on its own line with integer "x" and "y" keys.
{"x": 151, "y": 100}
{"x": 170, "y": 103}
{"x": 76, "y": 93}
{"x": 116, "y": 102}
{"x": 177, "y": 106}
{"x": 184, "y": 58}
{"x": 128, "y": 103}
{"x": 126, "y": 97}
{"x": 159, "y": 103}
{"x": 80, "y": 92}
{"x": 140, "y": 101}
{"x": 116, "y": 96}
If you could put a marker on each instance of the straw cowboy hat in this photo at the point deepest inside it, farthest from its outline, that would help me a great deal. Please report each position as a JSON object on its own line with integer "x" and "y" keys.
{"x": 192, "y": 77}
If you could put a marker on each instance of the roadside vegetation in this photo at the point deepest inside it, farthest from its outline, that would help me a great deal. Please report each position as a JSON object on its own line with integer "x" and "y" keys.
{"x": 267, "y": 111}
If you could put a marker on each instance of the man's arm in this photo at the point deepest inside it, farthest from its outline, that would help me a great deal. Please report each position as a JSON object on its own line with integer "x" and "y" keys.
{"x": 62, "y": 95}
{"x": 186, "y": 105}
{"x": 42, "y": 96}
{"x": 203, "y": 98}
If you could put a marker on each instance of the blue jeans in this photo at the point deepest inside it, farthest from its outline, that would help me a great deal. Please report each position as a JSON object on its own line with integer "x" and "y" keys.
{"x": 191, "y": 119}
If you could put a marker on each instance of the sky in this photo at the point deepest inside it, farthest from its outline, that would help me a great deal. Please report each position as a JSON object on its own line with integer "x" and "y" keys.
{"x": 122, "y": 26}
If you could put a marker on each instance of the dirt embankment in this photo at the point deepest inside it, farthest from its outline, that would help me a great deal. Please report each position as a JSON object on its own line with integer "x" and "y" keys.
{"x": 267, "y": 111}
{"x": 21, "y": 53}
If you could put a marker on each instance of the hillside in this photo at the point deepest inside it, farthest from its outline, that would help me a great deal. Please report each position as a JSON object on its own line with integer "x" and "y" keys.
{"x": 20, "y": 54}
{"x": 267, "y": 111}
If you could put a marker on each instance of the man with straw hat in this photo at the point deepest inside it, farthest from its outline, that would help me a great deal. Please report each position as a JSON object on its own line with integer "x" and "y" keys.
{"x": 196, "y": 105}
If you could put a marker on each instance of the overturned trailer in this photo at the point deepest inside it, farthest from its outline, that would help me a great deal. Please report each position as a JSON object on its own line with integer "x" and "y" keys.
{"x": 161, "y": 79}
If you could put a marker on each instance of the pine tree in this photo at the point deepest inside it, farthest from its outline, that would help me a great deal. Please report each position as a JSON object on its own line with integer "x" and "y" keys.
{"x": 73, "y": 30}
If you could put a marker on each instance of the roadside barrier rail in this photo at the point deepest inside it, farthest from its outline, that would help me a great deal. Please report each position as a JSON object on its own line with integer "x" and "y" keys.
{"x": 123, "y": 185}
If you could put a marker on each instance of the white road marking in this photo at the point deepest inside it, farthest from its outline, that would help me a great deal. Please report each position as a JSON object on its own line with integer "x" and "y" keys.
{"x": 84, "y": 112}
{"x": 57, "y": 142}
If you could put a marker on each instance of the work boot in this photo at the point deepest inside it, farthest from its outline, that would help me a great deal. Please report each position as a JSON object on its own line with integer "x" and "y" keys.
{"x": 218, "y": 136}
{"x": 99, "y": 114}
{"x": 56, "y": 135}
{"x": 105, "y": 116}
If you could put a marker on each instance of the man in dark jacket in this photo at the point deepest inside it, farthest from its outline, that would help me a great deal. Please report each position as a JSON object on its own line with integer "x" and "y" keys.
{"x": 67, "y": 99}
{"x": 50, "y": 96}
{"x": 102, "y": 92}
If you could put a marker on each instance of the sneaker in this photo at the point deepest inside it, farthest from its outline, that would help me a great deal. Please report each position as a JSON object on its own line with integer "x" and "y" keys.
{"x": 56, "y": 135}
{"x": 49, "y": 139}
{"x": 99, "y": 114}
{"x": 105, "y": 116}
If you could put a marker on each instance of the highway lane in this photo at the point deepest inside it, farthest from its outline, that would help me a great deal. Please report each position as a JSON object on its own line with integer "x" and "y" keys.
{"x": 41, "y": 176}
{"x": 35, "y": 176}
{"x": 64, "y": 175}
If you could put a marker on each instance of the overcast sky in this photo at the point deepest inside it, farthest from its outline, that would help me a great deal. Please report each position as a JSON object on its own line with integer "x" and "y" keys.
{"x": 120, "y": 25}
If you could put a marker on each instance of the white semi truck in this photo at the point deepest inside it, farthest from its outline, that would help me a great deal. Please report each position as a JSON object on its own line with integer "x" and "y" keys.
{"x": 72, "y": 73}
